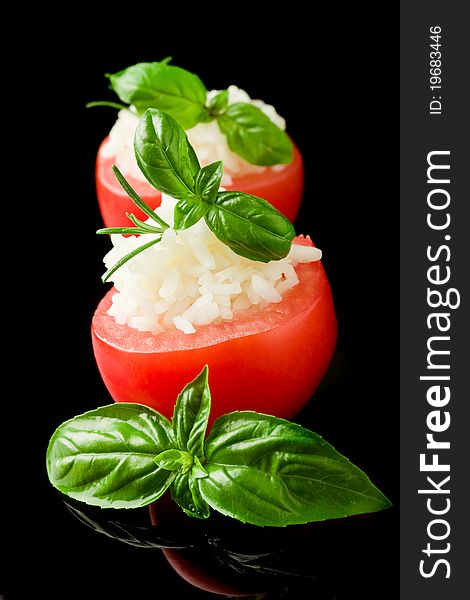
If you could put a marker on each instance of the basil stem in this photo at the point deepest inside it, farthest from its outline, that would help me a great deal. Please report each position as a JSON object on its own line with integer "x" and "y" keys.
{"x": 106, "y": 103}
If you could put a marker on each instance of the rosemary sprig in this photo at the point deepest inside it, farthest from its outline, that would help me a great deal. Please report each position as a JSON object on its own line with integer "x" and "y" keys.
{"x": 127, "y": 257}
{"x": 140, "y": 227}
{"x": 136, "y": 199}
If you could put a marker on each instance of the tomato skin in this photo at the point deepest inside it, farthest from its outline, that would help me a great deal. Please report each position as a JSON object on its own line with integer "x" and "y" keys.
{"x": 271, "y": 361}
{"x": 283, "y": 189}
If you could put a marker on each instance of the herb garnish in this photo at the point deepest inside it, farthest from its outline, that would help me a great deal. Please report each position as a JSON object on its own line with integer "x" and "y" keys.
{"x": 248, "y": 225}
{"x": 250, "y": 133}
{"x": 253, "y": 467}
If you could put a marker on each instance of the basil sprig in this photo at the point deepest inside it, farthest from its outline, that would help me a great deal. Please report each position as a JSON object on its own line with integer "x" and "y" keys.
{"x": 253, "y": 467}
{"x": 248, "y": 225}
{"x": 181, "y": 94}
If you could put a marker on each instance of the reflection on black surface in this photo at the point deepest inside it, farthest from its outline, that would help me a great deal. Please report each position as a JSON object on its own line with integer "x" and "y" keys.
{"x": 225, "y": 557}
{"x": 123, "y": 529}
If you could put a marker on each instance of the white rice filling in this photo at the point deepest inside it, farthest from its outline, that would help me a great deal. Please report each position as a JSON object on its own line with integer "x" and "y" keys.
{"x": 190, "y": 278}
{"x": 207, "y": 140}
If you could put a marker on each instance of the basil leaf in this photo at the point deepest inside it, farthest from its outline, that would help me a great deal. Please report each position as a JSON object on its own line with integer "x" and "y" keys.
{"x": 105, "y": 457}
{"x": 159, "y": 85}
{"x": 188, "y": 212}
{"x": 250, "y": 226}
{"x": 185, "y": 492}
{"x": 251, "y": 134}
{"x": 165, "y": 156}
{"x": 208, "y": 181}
{"x": 191, "y": 415}
{"x": 173, "y": 460}
{"x": 267, "y": 471}
{"x": 218, "y": 103}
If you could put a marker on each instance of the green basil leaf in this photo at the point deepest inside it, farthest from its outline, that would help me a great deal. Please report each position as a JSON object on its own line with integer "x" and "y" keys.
{"x": 267, "y": 471}
{"x": 105, "y": 457}
{"x": 218, "y": 103}
{"x": 159, "y": 85}
{"x": 174, "y": 460}
{"x": 189, "y": 212}
{"x": 208, "y": 181}
{"x": 250, "y": 226}
{"x": 164, "y": 155}
{"x": 185, "y": 492}
{"x": 191, "y": 415}
{"x": 252, "y": 135}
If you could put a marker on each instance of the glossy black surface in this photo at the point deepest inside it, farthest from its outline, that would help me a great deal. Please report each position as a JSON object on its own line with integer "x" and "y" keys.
{"x": 346, "y": 130}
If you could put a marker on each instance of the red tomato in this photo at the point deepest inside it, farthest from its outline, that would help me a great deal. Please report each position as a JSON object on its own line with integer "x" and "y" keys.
{"x": 283, "y": 189}
{"x": 268, "y": 360}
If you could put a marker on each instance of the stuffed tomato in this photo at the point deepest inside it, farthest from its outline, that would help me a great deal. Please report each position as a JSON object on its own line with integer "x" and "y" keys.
{"x": 270, "y": 360}
{"x": 211, "y": 277}
{"x": 247, "y": 135}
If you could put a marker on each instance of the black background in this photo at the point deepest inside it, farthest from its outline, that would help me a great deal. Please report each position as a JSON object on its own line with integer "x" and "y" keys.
{"x": 334, "y": 80}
